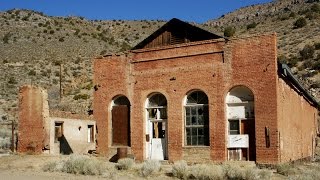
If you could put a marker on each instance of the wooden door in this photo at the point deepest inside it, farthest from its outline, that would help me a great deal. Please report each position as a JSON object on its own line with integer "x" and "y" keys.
{"x": 248, "y": 127}
{"x": 120, "y": 126}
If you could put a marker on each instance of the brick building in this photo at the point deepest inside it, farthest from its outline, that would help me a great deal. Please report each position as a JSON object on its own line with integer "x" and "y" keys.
{"x": 185, "y": 93}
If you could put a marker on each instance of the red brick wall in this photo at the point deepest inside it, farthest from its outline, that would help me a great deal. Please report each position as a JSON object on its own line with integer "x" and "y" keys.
{"x": 297, "y": 124}
{"x": 31, "y": 134}
{"x": 211, "y": 66}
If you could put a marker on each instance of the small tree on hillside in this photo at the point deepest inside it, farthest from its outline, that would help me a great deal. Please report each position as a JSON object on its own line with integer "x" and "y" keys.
{"x": 307, "y": 52}
{"x": 299, "y": 23}
{"x": 229, "y": 31}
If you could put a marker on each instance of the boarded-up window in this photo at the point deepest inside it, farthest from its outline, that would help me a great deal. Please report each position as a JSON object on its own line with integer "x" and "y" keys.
{"x": 90, "y": 133}
{"x": 58, "y": 131}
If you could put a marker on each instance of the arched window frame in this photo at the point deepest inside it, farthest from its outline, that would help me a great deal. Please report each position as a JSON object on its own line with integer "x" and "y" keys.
{"x": 196, "y": 119}
{"x": 157, "y": 107}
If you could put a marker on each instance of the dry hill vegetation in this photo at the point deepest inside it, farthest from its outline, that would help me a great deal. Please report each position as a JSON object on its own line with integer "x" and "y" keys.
{"x": 34, "y": 46}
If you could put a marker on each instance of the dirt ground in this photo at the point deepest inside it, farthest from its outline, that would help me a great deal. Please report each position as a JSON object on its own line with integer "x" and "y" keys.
{"x": 29, "y": 167}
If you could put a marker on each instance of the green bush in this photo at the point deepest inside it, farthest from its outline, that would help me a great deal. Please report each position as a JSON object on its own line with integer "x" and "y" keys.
{"x": 6, "y": 38}
{"x": 229, "y": 31}
{"x": 32, "y": 73}
{"x": 317, "y": 46}
{"x": 251, "y": 25}
{"x": 299, "y": 23}
{"x": 315, "y": 8}
{"x": 12, "y": 80}
{"x": 81, "y": 96}
{"x": 292, "y": 61}
{"x": 307, "y": 52}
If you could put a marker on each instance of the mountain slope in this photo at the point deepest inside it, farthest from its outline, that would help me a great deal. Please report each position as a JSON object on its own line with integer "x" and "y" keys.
{"x": 35, "y": 48}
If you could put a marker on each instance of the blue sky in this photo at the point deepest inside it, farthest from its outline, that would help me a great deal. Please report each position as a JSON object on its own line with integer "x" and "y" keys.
{"x": 188, "y": 10}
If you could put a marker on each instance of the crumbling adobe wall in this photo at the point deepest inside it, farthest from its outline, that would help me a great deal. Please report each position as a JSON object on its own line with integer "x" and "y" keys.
{"x": 33, "y": 133}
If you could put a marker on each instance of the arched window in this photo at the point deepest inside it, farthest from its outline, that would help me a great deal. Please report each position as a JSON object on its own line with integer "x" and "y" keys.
{"x": 157, "y": 112}
{"x": 121, "y": 121}
{"x": 197, "y": 119}
{"x": 241, "y": 124}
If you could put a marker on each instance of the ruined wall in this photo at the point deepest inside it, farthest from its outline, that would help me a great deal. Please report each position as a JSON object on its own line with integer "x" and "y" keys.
{"x": 75, "y": 132}
{"x": 297, "y": 124}
{"x": 213, "y": 67}
{"x": 32, "y": 136}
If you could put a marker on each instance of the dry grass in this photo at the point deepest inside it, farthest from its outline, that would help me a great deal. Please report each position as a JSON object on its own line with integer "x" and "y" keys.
{"x": 150, "y": 167}
{"x": 78, "y": 164}
{"x": 125, "y": 164}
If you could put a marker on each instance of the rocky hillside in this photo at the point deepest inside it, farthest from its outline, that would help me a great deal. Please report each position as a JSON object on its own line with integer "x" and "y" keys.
{"x": 42, "y": 50}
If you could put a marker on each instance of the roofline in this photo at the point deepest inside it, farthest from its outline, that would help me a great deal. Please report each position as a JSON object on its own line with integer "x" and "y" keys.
{"x": 137, "y": 46}
{"x": 285, "y": 72}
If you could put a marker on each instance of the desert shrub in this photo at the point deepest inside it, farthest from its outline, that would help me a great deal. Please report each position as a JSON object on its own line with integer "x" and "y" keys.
{"x": 293, "y": 61}
{"x": 56, "y": 63}
{"x": 307, "y": 52}
{"x": 299, "y": 23}
{"x": 317, "y": 45}
{"x": 233, "y": 171}
{"x": 51, "y": 31}
{"x": 312, "y": 15}
{"x": 251, "y": 173}
{"x": 61, "y": 39}
{"x": 284, "y": 168}
{"x": 55, "y": 166}
{"x": 180, "y": 170}
{"x": 6, "y": 38}
{"x": 125, "y": 164}
{"x": 264, "y": 174}
{"x": 77, "y": 164}
{"x": 292, "y": 14}
{"x": 149, "y": 167}
{"x": 307, "y": 64}
{"x": 229, "y": 31}
{"x": 12, "y": 80}
{"x": 125, "y": 46}
{"x": 32, "y": 73}
{"x": 103, "y": 52}
{"x": 81, "y": 96}
{"x": 316, "y": 65}
{"x": 315, "y": 8}
{"x": 205, "y": 171}
{"x": 251, "y": 25}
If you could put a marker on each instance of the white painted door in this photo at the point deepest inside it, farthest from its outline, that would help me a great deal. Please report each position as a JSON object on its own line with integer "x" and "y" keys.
{"x": 156, "y": 142}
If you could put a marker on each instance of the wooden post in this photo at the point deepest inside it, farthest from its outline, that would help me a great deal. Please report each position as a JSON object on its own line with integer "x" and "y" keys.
{"x": 12, "y": 135}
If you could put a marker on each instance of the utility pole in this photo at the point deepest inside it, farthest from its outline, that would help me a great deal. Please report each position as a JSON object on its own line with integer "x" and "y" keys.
{"x": 60, "y": 81}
